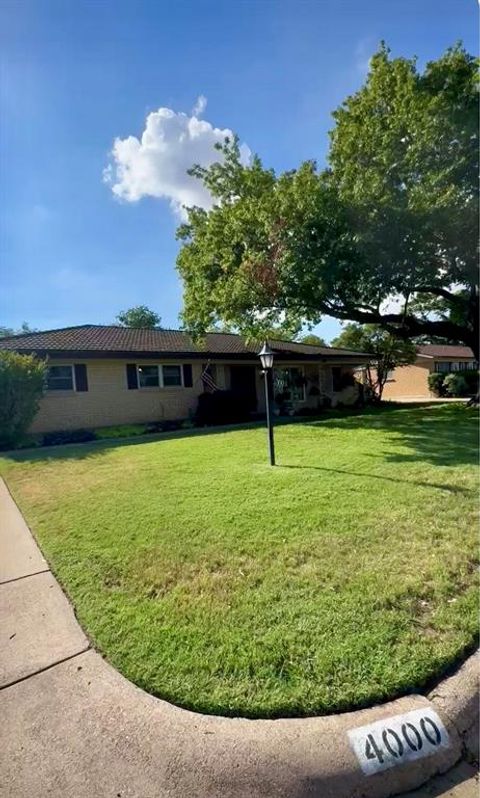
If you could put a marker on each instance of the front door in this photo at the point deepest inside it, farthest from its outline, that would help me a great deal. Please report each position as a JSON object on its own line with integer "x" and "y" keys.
{"x": 243, "y": 382}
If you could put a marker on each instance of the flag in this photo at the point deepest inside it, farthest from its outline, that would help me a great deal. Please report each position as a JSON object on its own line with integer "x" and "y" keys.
{"x": 207, "y": 379}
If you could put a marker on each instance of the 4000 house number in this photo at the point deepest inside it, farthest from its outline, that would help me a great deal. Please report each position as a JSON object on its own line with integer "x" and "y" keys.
{"x": 401, "y": 738}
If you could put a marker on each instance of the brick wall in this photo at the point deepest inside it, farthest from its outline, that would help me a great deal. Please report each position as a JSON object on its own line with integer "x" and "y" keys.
{"x": 409, "y": 381}
{"x": 108, "y": 400}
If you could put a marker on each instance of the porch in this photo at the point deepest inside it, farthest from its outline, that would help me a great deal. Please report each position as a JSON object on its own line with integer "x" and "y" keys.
{"x": 295, "y": 386}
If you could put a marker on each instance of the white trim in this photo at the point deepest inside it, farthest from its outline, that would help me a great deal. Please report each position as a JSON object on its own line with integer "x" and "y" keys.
{"x": 161, "y": 385}
{"x": 178, "y": 365}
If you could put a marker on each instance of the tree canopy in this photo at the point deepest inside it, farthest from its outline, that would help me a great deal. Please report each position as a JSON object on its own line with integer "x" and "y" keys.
{"x": 386, "y": 235}
{"x": 139, "y": 316}
{"x": 312, "y": 339}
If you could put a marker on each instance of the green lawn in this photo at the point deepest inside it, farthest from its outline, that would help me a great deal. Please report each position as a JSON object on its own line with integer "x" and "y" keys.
{"x": 341, "y": 577}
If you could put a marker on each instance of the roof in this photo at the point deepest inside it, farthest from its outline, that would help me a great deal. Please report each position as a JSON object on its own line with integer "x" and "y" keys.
{"x": 444, "y": 350}
{"x": 91, "y": 340}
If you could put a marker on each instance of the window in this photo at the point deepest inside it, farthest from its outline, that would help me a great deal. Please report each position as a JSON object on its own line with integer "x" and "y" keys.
{"x": 444, "y": 367}
{"x": 159, "y": 376}
{"x": 172, "y": 375}
{"x": 290, "y": 383}
{"x": 148, "y": 377}
{"x": 60, "y": 378}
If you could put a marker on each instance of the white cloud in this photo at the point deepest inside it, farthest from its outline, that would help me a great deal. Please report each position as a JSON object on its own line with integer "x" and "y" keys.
{"x": 199, "y": 106}
{"x": 156, "y": 164}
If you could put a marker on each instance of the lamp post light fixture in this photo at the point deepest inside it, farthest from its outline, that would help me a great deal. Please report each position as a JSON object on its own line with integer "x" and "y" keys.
{"x": 266, "y": 359}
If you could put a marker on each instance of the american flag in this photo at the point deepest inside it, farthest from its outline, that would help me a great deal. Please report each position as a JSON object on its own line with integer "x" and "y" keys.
{"x": 207, "y": 379}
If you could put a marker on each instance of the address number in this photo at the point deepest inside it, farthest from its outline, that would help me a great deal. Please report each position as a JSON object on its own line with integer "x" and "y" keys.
{"x": 398, "y": 739}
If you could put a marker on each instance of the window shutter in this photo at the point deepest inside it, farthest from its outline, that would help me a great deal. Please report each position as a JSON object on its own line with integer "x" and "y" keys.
{"x": 132, "y": 380}
{"x": 81, "y": 380}
{"x": 187, "y": 375}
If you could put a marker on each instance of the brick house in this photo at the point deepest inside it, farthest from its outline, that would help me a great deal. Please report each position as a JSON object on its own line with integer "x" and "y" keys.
{"x": 411, "y": 382}
{"x": 107, "y": 375}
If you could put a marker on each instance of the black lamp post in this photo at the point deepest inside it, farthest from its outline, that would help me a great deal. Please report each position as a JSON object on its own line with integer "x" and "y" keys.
{"x": 266, "y": 358}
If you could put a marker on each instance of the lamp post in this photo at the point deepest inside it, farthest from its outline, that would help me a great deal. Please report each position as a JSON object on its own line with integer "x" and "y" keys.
{"x": 266, "y": 358}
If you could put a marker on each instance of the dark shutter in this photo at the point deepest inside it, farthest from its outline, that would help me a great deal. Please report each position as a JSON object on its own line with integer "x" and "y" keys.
{"x": 187, "y": 375}
{"x": 132, "y": 380}
{"x": 81, "y": 381}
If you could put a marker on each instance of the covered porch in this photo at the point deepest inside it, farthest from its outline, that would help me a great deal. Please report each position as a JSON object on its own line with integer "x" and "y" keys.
{"x": 312, "y": 386}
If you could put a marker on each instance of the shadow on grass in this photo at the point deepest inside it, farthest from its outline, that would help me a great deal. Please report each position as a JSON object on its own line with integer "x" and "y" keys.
{"x": 367, "y": 475}
{"x": 443, "y": 435}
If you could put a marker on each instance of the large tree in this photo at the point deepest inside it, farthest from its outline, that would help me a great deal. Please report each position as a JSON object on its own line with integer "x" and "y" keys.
{"x": 386, "y": 235}
{"x": 139, "y": 316}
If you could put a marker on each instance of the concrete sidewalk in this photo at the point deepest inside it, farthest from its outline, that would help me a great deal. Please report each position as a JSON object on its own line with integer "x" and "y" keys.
{"x": 72, "y": 727}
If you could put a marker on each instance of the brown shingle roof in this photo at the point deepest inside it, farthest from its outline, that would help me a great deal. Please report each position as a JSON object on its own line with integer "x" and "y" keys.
{"x": 444, "y": 350}
{"x": 98, "y": 341}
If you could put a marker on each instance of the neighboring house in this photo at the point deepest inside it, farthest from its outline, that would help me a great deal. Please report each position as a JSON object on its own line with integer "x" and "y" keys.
{"x": 100, "y": 376}
{"x": 409, "y": 382}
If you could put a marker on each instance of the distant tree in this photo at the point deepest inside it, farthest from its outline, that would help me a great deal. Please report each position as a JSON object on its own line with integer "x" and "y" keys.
{"x": 24, "y": 329}
{"x": 387, "y": 350}
{"x": 139, "y": 316}
{"x": 21, "y": 386}
{"x": 313, "y": 340}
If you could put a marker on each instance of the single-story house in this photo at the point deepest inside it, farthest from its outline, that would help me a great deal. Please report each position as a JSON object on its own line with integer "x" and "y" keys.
{"x": 411, "y": 382}
{"x": 108, "y": 375}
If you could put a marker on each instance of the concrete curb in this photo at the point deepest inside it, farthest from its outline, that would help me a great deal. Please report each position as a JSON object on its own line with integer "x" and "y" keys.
{"x": 78, "y": 728}
{"x": 458, "y": 698}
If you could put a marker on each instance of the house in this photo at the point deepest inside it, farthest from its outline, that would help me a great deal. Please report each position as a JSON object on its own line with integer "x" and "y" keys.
{"x": 108, "y": 375}
{"x": 411, "y": 382}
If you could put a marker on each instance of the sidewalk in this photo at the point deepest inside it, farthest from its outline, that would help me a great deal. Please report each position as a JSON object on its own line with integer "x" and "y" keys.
{"x": 73, "y": 727}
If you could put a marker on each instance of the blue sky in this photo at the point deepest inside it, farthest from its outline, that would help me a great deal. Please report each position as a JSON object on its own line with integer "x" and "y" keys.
{"x": 78, "y": 74}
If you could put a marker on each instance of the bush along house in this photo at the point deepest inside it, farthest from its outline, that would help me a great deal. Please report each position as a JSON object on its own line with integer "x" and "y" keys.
{"x": 102, "y": 376}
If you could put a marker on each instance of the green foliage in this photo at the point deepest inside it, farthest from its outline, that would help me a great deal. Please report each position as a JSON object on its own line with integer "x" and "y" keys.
{"x": 395, "y": 217}
{"x": 120, "y": 431}
{"x": 435, "y": 383}
{"x": 388, "y": 351}
{"x": 471, "y": 378}
{"x": 217, "y": 582}
{"x": 312, "y": 340}
{"x": 21, "y": 386}
{"x": 455, "y": 384}
{"x": 139, "y": 316}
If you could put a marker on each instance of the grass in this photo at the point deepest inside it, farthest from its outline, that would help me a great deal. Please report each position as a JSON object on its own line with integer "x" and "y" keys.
{"x": 344, "y": 576}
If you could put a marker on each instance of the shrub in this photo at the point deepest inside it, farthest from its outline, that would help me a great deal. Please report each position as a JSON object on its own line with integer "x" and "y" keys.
{"x": 221, "y": 407}
{"x": 22, "y": 379}
{"x": 455, "y": 384}
{"x": 435, "y": 383}
{"x": 121, "y": 431}
{"x": 68, "y": 436}
{"x": 471, "y": 378}
{"x": 171, "y": 426}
